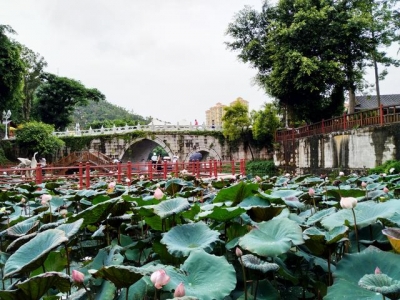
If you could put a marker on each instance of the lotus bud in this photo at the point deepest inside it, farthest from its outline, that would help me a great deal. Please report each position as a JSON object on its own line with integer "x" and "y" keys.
{"x": 45, "y": 199}
{"x": 77, "y": 276}
{"x": 180, "y": 290}
{"x": 341, "y": 173}
{"x": 111, "y": 185}
{"x": 257, "y": 178}
{"x": 385, "y": 190}
{"x": 364, "y": 184}
{"x": 377, "y": 271}
{"x": 141, "y": 177}
{"x": 311, "y": 192}
{"x": 158, "y": 194}
{"x": 63, "y": 213}
{"x": 392, "y": 170}
{"x": 348, "y": 202}
{"x": 238, "y": 252}
{"x": 127, "y": 180}
{"x": 159, "y": 278}
{"x": 23, "y": 200}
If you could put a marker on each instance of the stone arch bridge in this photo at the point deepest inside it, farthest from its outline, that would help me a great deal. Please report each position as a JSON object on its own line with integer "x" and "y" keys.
{"x": 135, "y": 143}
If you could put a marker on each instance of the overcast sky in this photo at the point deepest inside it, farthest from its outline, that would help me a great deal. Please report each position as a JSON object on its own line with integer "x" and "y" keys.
{"x": 160, "y": 58}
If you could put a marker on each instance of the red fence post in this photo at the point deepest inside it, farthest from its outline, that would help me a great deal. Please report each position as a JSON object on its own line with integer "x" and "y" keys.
{"x": 381, "y": 114}
{"x": 38, "y": 175}
{"x": 87, "y": 175}
{"x": 165, "y": 169}
{"x": 80, "y": 176}
{"x": 119, "y": 172}
{"x": 215, "y": 168}
{"x": 244, "y": 168}
{"x": 344, "y": 121}
{"x": 323, "y": 126}
{"x": 210, "y": 167}
{"x": 150, "y": 170}
{"x": 198, "y": 169}
{"x": 129, "y": 171}
{"x": 176, "y": 166}
{"x": 233, "y": 167}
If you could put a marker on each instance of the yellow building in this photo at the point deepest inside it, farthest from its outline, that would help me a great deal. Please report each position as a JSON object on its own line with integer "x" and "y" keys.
{"x": 217, "y": 112}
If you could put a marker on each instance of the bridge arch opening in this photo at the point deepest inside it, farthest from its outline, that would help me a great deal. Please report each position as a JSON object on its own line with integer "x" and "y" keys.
{"x": 140, "y": 150}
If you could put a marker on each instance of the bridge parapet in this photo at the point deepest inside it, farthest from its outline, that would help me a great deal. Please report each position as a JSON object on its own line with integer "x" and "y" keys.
{"x": 126, "y": 129}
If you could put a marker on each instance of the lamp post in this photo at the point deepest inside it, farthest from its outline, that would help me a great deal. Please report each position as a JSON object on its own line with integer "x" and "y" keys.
{"x": 6, "y": 116}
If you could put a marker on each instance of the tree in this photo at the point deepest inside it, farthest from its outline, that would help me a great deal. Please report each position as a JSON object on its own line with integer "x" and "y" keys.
{"x": 37, "y": 137}
{"x": 306, "y": 52}
{"x": 265, "y": 123}
{"x": 11, "y": 72}
{"x": 34, "y": 65}
{"x": 57, "y": 98}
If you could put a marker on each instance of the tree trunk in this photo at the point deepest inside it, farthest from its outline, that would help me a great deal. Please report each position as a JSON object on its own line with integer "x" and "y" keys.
{"x": 352, "y": 101}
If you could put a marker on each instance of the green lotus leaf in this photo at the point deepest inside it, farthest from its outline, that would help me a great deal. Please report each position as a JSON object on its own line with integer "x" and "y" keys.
{"x": 33, "y": 254}
{"x": 35, "y": 287}
{"x": 170, "y": 207}
{"x": 100, "y": 198}
{"x": 253, "y": 262}
{"x": 222, "y": 214}
{"x": 182, "y": 240}
{"x": 236, "y": 193}
{"x": 285, "y": 193}
{"x": 23, "y": 227}
{"x": 335, "y": 193}
{"x": 366, "y": 214}
{"x": 374, "y": 186}
{"x": 319, "y": 215}
{"x": 294, "y": 202}
{"x": 381, "y": 283}
{"x": 254, "y": 201}
{"x": 20, "y": 241}
{"x": 265, "y": 213}
{"x": 352, "y": 267}
{"x": 273, "y": 237}
{"x": 174, "y": 186}
{"x": 121, "y": 276}
{"x": 318, "y": 240}
{"x": 204, "y": 276}
{"x": 281, "y": 181}
{"x": 94, "y": 214}
{"x": 71, "y": 229}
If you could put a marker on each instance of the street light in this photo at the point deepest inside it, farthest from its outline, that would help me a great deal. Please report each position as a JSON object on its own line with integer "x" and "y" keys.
{"x": 6, "y": 116}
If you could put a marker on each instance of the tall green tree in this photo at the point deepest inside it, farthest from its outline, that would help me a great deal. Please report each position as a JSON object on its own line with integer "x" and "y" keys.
{"x": 11, "y": 72}
{"x": 57, "y": 97}
{"x": 235, "y": 120}
{"x": 307, "y": 52}
{"x": 265, "y": 123}
{"x": 34, "y": 69}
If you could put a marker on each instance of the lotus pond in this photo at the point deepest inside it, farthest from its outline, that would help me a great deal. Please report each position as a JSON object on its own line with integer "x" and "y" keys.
{"x": 304, "y": 237}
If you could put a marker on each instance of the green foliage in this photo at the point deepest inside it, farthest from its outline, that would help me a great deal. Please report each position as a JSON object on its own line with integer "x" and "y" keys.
{"x": 307, "y": 53}
{"x": 235, "y": 120}
{"x": 57, "y": 98}
{"x": 37, "y": 137}
{"x": 11, "y": 72}
{"x": 105, "y": 114}
{"x": 261, "y": 168}
{"x": 386, "y": 167}
{"x": 265, "y": 123}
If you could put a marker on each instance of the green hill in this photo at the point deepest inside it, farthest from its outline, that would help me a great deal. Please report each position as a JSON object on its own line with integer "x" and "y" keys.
{"x": 105, "y": 114}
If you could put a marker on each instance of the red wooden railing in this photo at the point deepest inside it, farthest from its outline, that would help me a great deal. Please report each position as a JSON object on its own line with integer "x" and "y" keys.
{"x": 379, "y": 116}
{"x": 124, "y": 173}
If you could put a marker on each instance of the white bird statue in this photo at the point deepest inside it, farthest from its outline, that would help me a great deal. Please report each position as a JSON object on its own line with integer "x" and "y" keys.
{"x": 25, "y": 162}
{"x": 34, "y": 161}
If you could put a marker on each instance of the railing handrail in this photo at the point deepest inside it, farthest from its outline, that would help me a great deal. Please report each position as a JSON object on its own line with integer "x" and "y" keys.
{"x": 128, "y": 128}
{"x": 85, "y": 172}
{"x": 377, "y": 116}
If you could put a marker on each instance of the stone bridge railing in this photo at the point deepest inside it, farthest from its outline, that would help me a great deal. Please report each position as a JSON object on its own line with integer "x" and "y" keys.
{"x": 125, "y": 129}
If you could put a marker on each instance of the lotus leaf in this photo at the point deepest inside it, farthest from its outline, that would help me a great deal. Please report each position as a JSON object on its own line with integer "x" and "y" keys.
{"x": 352, "y": 267}
{"x": 381, "y": 283}
{"x": 213, "y": 278}
{"x": 23, "y": 227}
{"x": 170, "y": 207}
{"x": 20, "y": 241}
{"x": 33, "y": 254}
{"x": 253, "y": 262}
{"x": 222, "y": 214}
{"x": 121, "y": 276}
{"x": 71, "y": 229}
{"x": 236, "y": 193}
{"x": 366, "y": 213}
{"x": 272, "y": 238}
{"x": 183, "y": 239}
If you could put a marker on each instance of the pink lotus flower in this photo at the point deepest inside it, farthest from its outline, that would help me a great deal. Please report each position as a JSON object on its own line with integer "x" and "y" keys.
{"x": 180, "y": 290}
{"x": 364, "y": 184}
{"x": 111, "y": 185}
{"x": 377, "y": 271}
{"x": 341, "y": 173}
{"x": 159, "y": 278}
{"x": 45, "y": 199}
{"x": 77, "y": 276}
{"x": 348, "y": 202}
{"x": 385, "y": 190}
{"x": 257, "y": 178}
{"x": 158, "y": 194}
{"x": 311, "y": 192}
{"x": 238, "y": 252}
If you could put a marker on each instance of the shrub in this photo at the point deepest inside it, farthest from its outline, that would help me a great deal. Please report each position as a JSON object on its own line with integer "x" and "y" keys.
{"x": 261, "y": 168}
{"x": 386, "y": 167}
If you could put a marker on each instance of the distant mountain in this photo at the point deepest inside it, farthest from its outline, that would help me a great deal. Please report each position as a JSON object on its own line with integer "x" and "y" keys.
{"x": 105, "y": 113}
